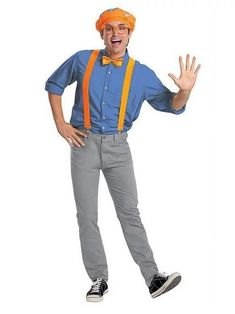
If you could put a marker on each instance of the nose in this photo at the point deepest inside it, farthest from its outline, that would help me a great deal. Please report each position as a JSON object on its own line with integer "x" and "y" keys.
{"x": 115, "y": 31}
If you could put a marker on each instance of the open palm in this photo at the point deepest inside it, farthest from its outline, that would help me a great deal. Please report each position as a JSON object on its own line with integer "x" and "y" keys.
{"x": 188, "y": 76}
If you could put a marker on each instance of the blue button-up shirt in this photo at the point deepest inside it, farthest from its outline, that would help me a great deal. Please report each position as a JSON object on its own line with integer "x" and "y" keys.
{"x": 105, "y": 89}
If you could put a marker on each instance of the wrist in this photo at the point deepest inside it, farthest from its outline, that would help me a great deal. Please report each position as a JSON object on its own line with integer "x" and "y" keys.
{"x": 59, "y": 122}
{"x": 184, "y": 91}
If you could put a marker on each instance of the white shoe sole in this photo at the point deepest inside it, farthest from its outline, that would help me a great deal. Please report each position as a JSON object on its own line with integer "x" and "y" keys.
{"x": 173, "y": 280}
{"x": 95, "y": 298}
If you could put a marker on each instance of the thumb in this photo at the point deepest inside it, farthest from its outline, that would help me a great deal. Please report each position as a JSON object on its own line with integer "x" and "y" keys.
{"x": 174, "y": 78}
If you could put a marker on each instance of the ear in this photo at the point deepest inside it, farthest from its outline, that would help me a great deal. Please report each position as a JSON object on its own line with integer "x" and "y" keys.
{"x": 101, "y": 35}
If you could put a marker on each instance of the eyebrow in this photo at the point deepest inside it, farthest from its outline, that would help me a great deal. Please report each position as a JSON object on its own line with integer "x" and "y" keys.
{"x": 118, "y": 24}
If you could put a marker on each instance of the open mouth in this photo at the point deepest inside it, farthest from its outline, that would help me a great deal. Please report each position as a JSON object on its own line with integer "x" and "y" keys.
{"x": 116, "y": 43}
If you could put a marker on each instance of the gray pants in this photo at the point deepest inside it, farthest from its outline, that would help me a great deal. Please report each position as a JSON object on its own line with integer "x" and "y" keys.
{"x": 112, "y": 154}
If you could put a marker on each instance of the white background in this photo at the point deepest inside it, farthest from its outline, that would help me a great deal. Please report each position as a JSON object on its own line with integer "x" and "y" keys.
{"x": 182, "y": 163}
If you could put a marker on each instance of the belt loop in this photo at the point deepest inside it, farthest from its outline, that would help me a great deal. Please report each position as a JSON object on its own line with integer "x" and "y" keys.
{"x": 119, "y": 136}
{"x": 115, "y": 137}
{"x": 88, "y": 133}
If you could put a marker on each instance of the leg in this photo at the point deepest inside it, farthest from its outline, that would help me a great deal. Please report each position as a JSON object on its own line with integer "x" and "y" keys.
{"x": 122, "y": 186}
{"x": 85, "y": 178}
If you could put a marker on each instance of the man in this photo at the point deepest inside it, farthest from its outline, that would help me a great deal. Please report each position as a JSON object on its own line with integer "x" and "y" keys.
{"x": 111, "y": 87}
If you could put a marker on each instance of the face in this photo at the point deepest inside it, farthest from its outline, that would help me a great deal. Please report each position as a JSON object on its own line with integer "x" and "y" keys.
{"x": 115, "y": 41}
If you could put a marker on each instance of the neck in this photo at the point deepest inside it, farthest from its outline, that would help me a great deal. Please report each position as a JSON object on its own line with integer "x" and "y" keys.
{"x": 114, "y": 55}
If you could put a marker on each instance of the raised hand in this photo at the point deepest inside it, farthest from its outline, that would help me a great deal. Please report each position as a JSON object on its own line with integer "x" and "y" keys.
{"x": 188, "y": 76}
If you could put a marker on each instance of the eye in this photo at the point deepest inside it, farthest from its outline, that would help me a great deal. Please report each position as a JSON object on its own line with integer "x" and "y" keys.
{"x": 108, "y": 28}
{"x": 122, "y": 27}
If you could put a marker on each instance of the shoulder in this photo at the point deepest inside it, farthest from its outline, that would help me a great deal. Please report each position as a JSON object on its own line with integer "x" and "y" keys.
{"x": 82, "y": 56}
{"x": 144, "y": 70}
{"x": 84, "y": 53}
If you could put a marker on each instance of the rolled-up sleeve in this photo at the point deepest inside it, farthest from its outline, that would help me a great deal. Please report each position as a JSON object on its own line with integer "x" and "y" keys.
{"x": 158, "y": 95}
{"x": 65, "y": 75}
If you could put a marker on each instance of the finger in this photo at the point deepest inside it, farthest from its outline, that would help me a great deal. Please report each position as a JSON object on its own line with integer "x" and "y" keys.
{"x": 75, "y": 143}
{"x": 72, "y": 141}
{"x": 193, "y": 64}
{"x": 80, "y": 133}
{"x": 83, "y": 134}
{"x": 77, "y": 140}
{"x": 69, "y": 140}
{"x": 187, "y": 61}
{"x": 181, "y": 64}
{"x": 174, "y": 78}
{"x": 197, "y": 69}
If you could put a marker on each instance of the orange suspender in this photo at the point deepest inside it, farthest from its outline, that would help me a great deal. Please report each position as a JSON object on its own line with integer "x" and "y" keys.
{"x": 85, "y": 88}
{"x": 125, "y": 90}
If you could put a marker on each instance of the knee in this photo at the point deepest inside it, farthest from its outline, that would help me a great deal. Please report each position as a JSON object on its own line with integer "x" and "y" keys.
{"x": 128, "y": 215}
{"x": 85, "y": 220}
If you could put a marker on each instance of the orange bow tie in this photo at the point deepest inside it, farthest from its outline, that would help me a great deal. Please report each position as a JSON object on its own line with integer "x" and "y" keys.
{"x": 107, "y": 60}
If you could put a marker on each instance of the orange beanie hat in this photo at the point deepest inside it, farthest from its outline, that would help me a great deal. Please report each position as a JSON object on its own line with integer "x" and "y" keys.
{"x": 115, "y": 14}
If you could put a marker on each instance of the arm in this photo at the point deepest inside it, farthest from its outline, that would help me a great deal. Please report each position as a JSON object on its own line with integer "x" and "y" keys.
{"x": 180, "y": 99}
{"x": 66, "y": 130}
{"x": 158, "y": 95}
{"x": 65, "y": 75}
{"x": 56, "y": 107}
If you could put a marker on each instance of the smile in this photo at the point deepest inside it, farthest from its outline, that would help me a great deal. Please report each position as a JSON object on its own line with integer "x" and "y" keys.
{"x": 116, "y": 43}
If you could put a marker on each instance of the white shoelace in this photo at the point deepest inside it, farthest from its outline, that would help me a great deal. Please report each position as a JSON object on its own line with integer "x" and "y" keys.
{"x": 163, "y": 274}
{"x": 96, "y": 285}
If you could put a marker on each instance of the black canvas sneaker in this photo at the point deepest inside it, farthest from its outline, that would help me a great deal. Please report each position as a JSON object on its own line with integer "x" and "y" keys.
{"x": 98, "y": 289}
{"x": 162, "y": 283}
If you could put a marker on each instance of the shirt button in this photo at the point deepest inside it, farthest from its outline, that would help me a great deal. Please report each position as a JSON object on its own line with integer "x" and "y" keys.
{"x": 102, "y": 127}
{"x": 109, "y": 72}
{"x": 104, "y": 117}
{"x": 106, "y": 87}
{"x": 103, "y": 102}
